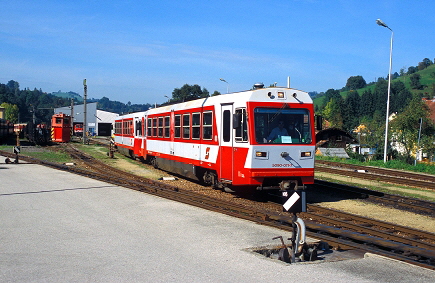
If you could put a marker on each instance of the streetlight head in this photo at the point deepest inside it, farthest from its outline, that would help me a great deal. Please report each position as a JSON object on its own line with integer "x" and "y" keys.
{"x": 223, "y": 80}
{"x": 381, "y": 23}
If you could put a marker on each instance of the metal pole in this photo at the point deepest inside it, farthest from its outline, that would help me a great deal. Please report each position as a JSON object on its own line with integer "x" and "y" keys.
{"x": 381, "y": 23}
{"x": 72, "y": 117}
{"x": 418, "y": 143}
{"x": 84, "y": 111}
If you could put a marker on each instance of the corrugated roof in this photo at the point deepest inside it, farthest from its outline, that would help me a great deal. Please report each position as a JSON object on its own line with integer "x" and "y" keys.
{"x": 106, "y": 117}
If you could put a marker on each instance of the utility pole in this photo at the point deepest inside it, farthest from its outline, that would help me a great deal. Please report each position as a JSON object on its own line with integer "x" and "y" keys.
{"x": 72, "y": 117}
{"x": 84, "y": 112}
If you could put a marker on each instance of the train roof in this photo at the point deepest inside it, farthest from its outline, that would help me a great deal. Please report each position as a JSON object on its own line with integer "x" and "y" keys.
{"x": 289, "y": 95}
{"x": 272, "y": 94}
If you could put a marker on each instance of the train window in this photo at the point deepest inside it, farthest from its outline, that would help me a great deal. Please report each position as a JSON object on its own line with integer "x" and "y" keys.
{"x": 149, "y": 125}
{"x": 118, "y": 128}
{"x": 240, "y": 125}
{"x": 177, "y": 124}
{"x": 207, "y": 125}
{"x": 160, "y": 127}
{"x": 186, "y": 126}
{"x": 124, "y": 127}
{"x": 154, "y": 127}
{"x": 166, "y": 129}
{"x": 196, "y": 125}
{"x": 127, "y": 128}
{"x": 226, "y": 135}
{"x": 282, "y": 125}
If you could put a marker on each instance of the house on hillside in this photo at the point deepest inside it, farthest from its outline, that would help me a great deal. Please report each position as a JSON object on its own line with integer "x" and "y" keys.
{"x": 431, "y": 104}
{"x": 333, "y": 142}
{"x": 333, "y": 138}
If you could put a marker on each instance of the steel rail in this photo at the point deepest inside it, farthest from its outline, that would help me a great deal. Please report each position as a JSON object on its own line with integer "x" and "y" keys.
{"x": 402, "y": 202}
{"x": 377, "y": 177}
{"x": 400, "y": 174}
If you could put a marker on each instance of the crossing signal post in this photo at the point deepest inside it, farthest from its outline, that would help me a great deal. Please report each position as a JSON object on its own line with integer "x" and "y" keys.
{"x": 294, "y": 201}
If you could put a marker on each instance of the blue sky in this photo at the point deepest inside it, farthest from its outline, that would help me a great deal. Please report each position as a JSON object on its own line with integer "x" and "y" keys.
{"x": 139, "y": 51}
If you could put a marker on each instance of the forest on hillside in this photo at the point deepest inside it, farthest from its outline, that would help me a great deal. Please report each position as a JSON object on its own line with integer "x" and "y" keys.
{"x": 359, "y": 102}
{"x": 360, "y": 109}
{"x": 24, "y": 105}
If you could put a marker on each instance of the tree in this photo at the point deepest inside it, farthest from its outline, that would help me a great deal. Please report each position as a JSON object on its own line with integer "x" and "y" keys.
{"x": 368, "y": 102}
{"x": 188, "y": 92}
{"x": 380, "y": 94}
{"x": 421, "y": 66}
{"x": 402, "y": 71}
{"x": 405, "y": 127}
{"x": 400, "y": 97}
{"x": 427, "y": 62}
{"x": 13, "y": 85}
{"x": 333, "y": 113}
{"x": 350, "y": 111}
{"x": 330, "y": 94}
{"x": 11, "y": 112}
{"x": 415, "y": 81}
{"x": 355, "y": 82}
{"x": 411, "y": 70}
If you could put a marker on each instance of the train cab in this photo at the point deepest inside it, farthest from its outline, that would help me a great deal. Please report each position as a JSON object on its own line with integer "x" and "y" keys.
{"x": 61, "y": 128}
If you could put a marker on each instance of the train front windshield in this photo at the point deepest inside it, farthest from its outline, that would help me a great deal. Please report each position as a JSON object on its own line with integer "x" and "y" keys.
{"x": 282, "y": 126}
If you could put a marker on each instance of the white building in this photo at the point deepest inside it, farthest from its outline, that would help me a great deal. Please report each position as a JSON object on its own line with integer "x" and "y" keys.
{"x": 99, "y": 122}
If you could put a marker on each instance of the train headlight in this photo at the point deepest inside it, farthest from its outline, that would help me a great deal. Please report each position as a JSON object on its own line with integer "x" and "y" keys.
{"x": 261, "y": 154}
{"x": 306, "y": 154}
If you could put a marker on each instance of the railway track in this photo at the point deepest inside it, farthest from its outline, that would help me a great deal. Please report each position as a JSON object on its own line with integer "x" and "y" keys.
{"x": 377, "y": 174}
{"x": 399, "y": 202}
{"x": 342, "y": 231}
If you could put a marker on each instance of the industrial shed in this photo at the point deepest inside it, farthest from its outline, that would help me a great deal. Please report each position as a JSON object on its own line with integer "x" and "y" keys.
{"x": 99, "y": 122}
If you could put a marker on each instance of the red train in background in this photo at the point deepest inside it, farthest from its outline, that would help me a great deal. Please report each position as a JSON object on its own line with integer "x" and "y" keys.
{"x": 252, "y": 140}
{"x": 41, "y": 134}
{"x": 78, "y": 129}
{"x": 61, "y": 128}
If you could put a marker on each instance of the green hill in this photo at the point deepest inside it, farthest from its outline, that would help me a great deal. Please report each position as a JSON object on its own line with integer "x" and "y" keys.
{"x": 427, "y": 81}
{"x": 68, "y": 95}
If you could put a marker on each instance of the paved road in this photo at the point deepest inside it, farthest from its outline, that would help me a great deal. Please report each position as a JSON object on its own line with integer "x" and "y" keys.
{"x": 60, "y": 227}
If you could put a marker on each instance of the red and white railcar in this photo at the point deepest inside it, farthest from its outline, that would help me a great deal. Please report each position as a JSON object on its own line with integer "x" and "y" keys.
{"x": 226, "y": 140}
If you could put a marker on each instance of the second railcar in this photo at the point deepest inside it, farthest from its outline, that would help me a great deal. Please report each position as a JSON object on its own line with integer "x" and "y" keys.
{"x": 256, "y": 140}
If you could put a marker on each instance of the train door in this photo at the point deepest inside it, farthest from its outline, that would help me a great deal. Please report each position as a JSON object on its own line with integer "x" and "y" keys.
{"x": 144, "y": 134}
{"x": 137, "y": 137}
{"x": 226, "y": 144}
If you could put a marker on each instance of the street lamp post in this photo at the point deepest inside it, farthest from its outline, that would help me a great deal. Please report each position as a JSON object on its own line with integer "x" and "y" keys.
{"x": 382, "y": 24}
{"x": 225, "y": 82}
